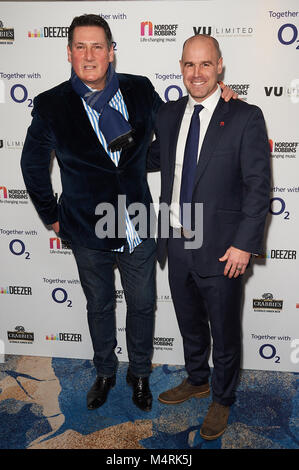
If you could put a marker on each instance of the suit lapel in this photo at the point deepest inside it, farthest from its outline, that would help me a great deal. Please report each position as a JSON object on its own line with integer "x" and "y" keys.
{"x": 127, "y": 92}
{"x": 83, "y": 128}
{"x": 139, "y": 116}
{"x": 128, "y": 95}
{"x": 212, "y": 137}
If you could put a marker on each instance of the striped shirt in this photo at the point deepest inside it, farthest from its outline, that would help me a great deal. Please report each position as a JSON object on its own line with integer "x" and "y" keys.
{"x": 116, "y": 102}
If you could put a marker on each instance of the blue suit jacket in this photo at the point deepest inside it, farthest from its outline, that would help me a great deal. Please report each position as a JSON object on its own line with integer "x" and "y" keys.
{"x": 88, "y": 175}
{"x": 232, "y": 178}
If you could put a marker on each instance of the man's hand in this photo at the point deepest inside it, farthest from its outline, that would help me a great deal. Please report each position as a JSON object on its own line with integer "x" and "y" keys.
{"x": 55, "y": 227}
{"x": 236, "y": 262}
{"x": 227, "y": 93}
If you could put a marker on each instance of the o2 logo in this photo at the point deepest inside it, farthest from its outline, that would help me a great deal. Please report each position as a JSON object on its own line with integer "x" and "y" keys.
{"x": 19, "y": 94}
{"x": 60, "y": 296}
{"x": 173, "y": 92}
{"x": 288, "y": 34}
{"x": 278, "y": 207}
{"x": 268, "y": 351}
{"x": 17, "y": 247}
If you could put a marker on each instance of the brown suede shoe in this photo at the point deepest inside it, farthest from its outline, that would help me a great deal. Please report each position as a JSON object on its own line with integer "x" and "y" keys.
{"x": 215, "y": 422}
{"x": 183, "y": 392}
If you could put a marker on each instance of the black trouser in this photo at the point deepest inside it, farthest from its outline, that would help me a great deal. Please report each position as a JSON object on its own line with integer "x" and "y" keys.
{"x": 207, "y": 307}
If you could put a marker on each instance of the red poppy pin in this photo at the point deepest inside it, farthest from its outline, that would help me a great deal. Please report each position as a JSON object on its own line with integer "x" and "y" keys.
{"x": 221, "y": 123}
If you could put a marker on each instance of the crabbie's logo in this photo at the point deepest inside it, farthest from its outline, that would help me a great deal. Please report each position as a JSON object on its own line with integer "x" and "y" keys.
{"x": 7, "y": 35}
{"x": 19, "y": 335}
{"x": 267, "y": 303}
{"x": 150, "y": 32}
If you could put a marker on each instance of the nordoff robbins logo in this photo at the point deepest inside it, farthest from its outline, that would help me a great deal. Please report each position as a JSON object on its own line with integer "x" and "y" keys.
{"x": 150, "y": 29}
{"x": 163, "y": 343}
{"x": 267, "y": 304}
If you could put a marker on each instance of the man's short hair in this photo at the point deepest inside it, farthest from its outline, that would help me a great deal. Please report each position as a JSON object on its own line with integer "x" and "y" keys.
{"x": 206, "y": 36}
{"x": 90, "y": 20}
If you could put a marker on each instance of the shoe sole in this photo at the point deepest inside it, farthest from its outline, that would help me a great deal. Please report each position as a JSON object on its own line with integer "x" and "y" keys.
{"x": 194, "y": 395}
{"x": 211, "y": 438}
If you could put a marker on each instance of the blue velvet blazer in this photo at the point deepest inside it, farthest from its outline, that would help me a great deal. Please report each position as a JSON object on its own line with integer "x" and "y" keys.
{"x": 88, "y": 175}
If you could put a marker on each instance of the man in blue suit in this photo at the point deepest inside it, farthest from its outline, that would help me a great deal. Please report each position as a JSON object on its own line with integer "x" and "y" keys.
{"x": 100, "y": 125}
{"x": 215, "y": 177}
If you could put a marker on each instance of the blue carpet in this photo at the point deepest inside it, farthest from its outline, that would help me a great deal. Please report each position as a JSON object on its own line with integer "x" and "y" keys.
{"x": 43, "y": 406}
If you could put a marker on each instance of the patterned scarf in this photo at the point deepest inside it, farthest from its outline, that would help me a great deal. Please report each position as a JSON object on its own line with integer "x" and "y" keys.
{"x": 115, "y": 128}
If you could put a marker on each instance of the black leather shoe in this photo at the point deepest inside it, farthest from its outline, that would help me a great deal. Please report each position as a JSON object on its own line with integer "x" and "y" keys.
{"x": 98, "y": 393}
{"x": 142, "y": 396}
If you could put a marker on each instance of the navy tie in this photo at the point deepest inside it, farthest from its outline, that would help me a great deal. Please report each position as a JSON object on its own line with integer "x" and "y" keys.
{"x": 189, "y": 166}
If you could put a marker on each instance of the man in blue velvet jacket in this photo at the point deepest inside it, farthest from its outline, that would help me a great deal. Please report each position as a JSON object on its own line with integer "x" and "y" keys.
{"x": 100, "y": 125}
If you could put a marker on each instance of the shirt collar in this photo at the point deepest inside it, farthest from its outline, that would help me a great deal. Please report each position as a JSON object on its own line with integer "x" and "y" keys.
{"x": 209, "y": 103}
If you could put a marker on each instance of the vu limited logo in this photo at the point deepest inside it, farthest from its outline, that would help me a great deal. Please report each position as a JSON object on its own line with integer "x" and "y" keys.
{"x": 277, "y": 91}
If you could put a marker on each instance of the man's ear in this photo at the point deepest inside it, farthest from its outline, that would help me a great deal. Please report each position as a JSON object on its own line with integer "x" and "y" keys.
{"x": 69, "y": 54}
{"x": 220, "y": 66}
{"x": 181, "y": 65}
{"x": 111, "y": 54}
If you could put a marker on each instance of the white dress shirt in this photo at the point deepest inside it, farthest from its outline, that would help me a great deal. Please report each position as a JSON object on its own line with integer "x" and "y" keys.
{"x": 205, "y": 116}
{"x": 117, "y": 102}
